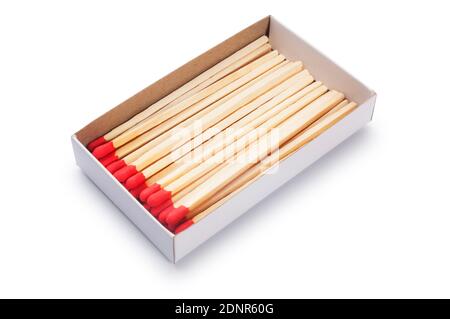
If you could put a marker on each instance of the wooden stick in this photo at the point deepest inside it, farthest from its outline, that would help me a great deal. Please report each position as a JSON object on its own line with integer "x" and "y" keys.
{"x": 185, "y": 174}
{"x": 180, "y": 91}
{"x": 155, "y": 211}
{"x": 208, "y": 148}
{"x": 336, "y": 108}
{"x": 163, "y": 188}
{"x": 281, "y": 109}
{"x": 220, "y": 112}
{"x": 297, "y": 142}
{"x": 217, "y": 114}
{"x": 238, "y": 119}
{"x": 197, "y": 183}
{"x": 135, "y": 148}
{"x": 207, "y": 96}
{"x": 235, "y": 126}
{"x": 285, "y": 150}
{"x": 287, "y": 130}
{"x": 193, "y": 114}
{"x": 256, "y": 54}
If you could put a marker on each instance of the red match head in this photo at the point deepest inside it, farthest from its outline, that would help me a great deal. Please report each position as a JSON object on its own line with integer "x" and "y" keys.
{"x": 125, "y": 172}
{"x": 97, "y": 142}
{"x": 171, "y": 227}
{"x": 147, "y": 208}
{"x": 136, "y": 191}
{"x": 159, "y": 197}
{"x": 157, "y": 210}
{"x": 162, "y": 216}
{"x": 103, "y": 150}
{"x": 177, "y": 215}
{"x": 136, "y": 180}
{"x": 148, "y": 191}
{"x": 108, "y": 159}
{"x": 183, "y": 226}
{"x": 115, "y": 166}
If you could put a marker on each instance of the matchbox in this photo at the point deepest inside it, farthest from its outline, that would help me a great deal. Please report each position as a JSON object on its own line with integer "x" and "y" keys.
{"x": 225, "y": 211}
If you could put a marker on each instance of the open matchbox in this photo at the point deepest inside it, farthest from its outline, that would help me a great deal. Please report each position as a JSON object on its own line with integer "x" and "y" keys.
{"x": 175, "y": 247}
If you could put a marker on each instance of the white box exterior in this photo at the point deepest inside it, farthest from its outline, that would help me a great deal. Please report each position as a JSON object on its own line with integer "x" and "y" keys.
{"x": 174, "y": 247}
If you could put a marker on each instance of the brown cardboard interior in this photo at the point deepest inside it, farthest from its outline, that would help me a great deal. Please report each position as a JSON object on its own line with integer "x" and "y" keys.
{"x": 171, "y": 82}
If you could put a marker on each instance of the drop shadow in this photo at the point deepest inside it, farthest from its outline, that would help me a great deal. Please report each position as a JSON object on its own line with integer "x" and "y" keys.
{"x": 112, "y": 211}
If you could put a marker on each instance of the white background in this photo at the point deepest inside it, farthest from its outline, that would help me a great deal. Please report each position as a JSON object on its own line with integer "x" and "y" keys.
{"x": 370, "y": 219}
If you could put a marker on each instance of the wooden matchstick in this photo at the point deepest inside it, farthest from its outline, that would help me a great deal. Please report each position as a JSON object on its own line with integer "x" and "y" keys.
{"x": 236, "y": 121}
{"x": 155, "y": 211}
{"x": 224, "y": 121}
{"x": 286, "y": 130}
{"x": 134, "y": 149}
{"x": 179, "y": 92}
{"x": 185, "y": 174}
{"x": 285, "y": 150}
{"x": 317, "y": 128}
{"x": 336, "y": 108}
{"x": 239, "y": 129}
{"x": 207, "y": 96}
{"x": 217, "y": 114}
{"x": 256, "y": 54}
{"x": 232, "y": 128}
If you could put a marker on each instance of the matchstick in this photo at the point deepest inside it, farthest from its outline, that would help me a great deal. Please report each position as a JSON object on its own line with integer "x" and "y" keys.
{"x": 317, "y": 128}
{"x": 217, "y": 114}
{"x": 236, "y": 121}
{"x": 209, "y": 120}
{"x": 183, "y": 175}
{"x": 179, "y": 92}
{"x": 285, "y": 150}
{"x": 156, "y": 210}
{"x": 287, "y": 130}
{"x": 269, "y": 110}
{"x": 207, "y": 96}
{"x": 256, "y": 54}
{"x": 234, "y": 127}
{"x": 131, "y": 151}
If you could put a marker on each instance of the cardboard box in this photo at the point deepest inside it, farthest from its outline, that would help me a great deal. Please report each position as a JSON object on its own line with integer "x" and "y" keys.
{"x": 175, "y": 247}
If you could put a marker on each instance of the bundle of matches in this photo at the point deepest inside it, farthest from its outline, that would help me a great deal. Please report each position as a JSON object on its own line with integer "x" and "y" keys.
{"x": 175, "y": 156}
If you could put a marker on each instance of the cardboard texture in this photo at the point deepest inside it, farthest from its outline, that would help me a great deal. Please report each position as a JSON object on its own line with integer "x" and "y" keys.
{"x": 174, "y": 247}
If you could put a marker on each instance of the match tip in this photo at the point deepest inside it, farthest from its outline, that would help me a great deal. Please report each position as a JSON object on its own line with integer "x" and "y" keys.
{"x": 162, "y": 216}
{"x": 148, "y": 191}
{"x": 103, "y": 150}
{"x": 159, "y": 197}
{"x": 157, "y": 210}
{"x": 183, "y": 226}
{"x": 115, "y": 166}
{"x": 135, "y": 181}
{"x": 171, "y": 227}
{"x": 125, "y": 172}
{"x": 177, "y": 215}
{"x": 97, "y": 142}
{"x": 108, "y": 159}
{"x": 136, "y": 191}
